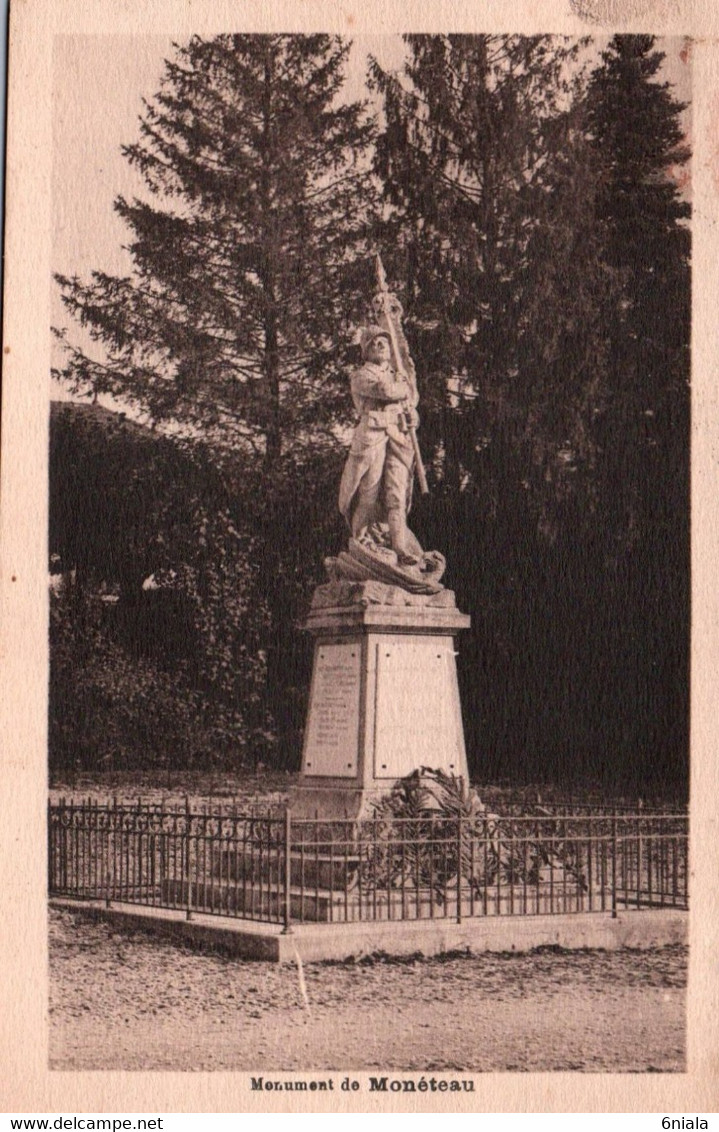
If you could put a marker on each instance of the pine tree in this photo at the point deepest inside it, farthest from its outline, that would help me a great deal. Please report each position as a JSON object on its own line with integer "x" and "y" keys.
{"x": 635, "y": 129}
{"x": 491, "y": 199}
{"x": 491, "y": 196}
{"x": 232, "y": 320}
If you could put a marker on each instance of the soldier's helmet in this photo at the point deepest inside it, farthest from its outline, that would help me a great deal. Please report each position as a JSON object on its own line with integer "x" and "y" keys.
{"x": 368, "y": 335}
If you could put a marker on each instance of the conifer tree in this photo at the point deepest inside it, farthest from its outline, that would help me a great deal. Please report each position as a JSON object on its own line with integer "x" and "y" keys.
{"x": 231, "y": 322}
{"x": 637, "y": 134}
{"x": 634, "y": 124}
{"x": 546, "y": 262}
{"x": 490, "y": 192}
{"x": 486, "y": 175}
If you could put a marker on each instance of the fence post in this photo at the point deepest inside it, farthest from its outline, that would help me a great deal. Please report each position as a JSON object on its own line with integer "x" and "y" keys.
{"x": 640, "y": 864}
{"x": 614, "y": 864}
{"x": 459, "y": 868}
{"x": 287, "y": 929}
{"x": 112, "y": 889}
{"x": 188, "y": 882}
{"x": 49, "y": 849}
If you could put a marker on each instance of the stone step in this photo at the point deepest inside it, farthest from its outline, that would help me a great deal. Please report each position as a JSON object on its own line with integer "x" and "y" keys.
{"x": 315, "y": 905}
{"x": 309, "y": 869}
{"x": 260, "y": 901}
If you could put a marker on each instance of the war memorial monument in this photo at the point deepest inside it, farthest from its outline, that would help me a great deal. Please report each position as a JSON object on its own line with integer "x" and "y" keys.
{"x": 384, "y": 698}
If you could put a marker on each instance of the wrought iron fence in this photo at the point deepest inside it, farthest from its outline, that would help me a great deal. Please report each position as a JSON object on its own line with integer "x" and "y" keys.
{"x": 277, "y": 870}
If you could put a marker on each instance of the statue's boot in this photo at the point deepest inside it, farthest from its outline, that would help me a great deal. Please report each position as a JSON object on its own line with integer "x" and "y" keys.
{"x": 400, "y": 539}
{"x": 362, "y": 516}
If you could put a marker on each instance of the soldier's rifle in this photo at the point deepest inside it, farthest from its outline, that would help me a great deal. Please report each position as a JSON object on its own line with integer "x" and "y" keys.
{"x": 389, "y": 310}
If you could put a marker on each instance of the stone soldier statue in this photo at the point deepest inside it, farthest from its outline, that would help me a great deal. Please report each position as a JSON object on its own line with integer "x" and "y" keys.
{"x": 376, "y": 485}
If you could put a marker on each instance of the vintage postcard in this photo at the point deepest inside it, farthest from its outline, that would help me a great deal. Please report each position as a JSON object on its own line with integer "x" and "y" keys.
{"x": 359, "y": 617}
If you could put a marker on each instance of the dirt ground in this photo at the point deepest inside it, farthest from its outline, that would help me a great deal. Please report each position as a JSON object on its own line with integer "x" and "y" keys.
{"x": 126, "y": 1000}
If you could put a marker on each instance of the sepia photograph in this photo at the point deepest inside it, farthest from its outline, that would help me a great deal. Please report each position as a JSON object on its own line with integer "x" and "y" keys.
{"x": 367, "y": 615}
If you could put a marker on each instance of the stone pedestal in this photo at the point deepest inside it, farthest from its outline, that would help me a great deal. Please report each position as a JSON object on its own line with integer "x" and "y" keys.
{"x": 384, "y": 698}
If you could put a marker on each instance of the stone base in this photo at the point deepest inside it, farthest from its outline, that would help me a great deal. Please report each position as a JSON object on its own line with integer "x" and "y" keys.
{"x": 322, "y": 942}
{"x": 384, "y": 699}
{"x": 345, "y": 594}
{"x": 311, "y": 800}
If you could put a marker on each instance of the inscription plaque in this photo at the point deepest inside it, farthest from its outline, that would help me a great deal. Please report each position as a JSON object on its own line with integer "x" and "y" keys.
{"x": 333, "y": 723}
{"x": 415, "y": 724}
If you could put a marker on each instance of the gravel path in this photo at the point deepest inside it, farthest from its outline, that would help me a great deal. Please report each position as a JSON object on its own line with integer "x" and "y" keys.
{"x": 128, "y": 1000}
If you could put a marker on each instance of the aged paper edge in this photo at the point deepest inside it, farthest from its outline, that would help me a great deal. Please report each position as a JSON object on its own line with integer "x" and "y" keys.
{"x": 28, "y": 1085}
